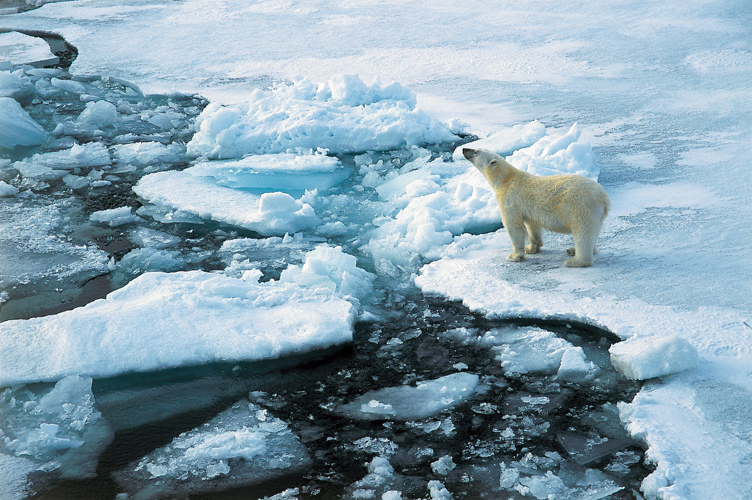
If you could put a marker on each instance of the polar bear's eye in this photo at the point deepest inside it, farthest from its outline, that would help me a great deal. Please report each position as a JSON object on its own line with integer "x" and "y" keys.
{"x": 494, "y": 162}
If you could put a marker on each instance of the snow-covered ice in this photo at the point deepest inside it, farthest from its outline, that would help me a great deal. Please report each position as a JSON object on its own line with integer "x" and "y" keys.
{"x": 641, "y": 358}
{"x": 275, "y": 172}
{"x": 243, "y": 445}
{"x": 268, "y": 214}
{"x": 56, "y": 429}
{"x": 342, "y": 115}
{"x": 20, "y": 49}
{"x": 175, "y": 320}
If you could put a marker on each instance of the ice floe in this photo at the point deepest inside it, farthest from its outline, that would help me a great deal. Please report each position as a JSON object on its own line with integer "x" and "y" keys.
{"x": 281, "y": 172}
{"x": 428, "y": 398}
{"x": 342, "y": 115}
{"x": 268, "y": 214}
{"x": 215, "y": 318}
{"x": 241, "y": 446}
{"x": 55, "y": 430}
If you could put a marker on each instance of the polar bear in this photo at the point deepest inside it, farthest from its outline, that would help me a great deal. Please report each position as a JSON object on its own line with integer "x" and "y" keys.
{"x": 570, "y": 204}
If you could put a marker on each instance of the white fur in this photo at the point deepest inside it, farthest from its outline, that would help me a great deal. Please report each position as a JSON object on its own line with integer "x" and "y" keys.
{"x": 570, "y": 204}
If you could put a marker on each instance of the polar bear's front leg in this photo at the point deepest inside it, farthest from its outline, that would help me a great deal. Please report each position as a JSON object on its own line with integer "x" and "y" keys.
{"x": 516, "y": 234}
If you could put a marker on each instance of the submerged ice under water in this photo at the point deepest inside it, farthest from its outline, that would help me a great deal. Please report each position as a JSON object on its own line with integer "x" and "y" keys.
{"x": 427, "y": 400}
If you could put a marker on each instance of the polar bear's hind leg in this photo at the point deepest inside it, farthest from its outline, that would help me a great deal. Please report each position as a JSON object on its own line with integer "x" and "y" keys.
{"x": 535, "y": 234}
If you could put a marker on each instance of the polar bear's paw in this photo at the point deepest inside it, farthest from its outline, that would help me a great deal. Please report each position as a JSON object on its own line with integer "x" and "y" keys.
{"x": 531, "y": 248}
{"x": 577, "y": 263}
{"x": 515, "y": 257}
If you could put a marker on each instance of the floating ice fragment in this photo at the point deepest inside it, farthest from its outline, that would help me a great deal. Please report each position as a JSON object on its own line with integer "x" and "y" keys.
{"x": 331, "y": 268}
{"x": 443, "y": 465}
{"x": 268, "y": 214}
{"x": 233, "y": 449}
{"x": 641, "y": 358}
{"x": 56, "y": 428}
{"x": 99, "y": 114}
{"x": 7, "y": 190}
{"x": 507, "y": 140}
{"x": 17, "y": 128}
{"x": 56, "y": 164}
{"x": 115, "y": 216}
{"x": 414, "y": 403}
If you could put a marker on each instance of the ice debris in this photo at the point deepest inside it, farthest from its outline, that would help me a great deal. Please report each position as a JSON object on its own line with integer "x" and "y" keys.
{"x": 286, "y": 172}
{"x": 17, "y": 128}
{"x": 428, "y": 398}
{"x": 641, "y": 358}
{"x": 241, "y": 446}
{"x": 56, "y": 430}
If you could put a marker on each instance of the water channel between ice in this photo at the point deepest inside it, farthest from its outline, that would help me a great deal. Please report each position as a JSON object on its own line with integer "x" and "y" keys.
{"x": 525, "y": 427}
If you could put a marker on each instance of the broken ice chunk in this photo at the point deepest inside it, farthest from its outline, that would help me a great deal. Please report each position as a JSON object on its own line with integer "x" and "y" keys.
{"x": 241, "y": 446}
{"x": 115, "y": 216}
{"x": 641, "y": 358}
{"x": 413, "y": 403}
{"x": 56, "y": 429}
{"x": 17, "y": 128}
{"x": 268, "y": 214}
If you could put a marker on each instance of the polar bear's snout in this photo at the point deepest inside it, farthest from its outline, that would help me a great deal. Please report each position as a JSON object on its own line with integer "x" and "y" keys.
{"x": 468, "y": 152}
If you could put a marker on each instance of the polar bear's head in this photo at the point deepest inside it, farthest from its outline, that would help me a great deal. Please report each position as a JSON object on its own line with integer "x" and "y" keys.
{"x": 484, "y": 160}
{"x": 493, "y": 167}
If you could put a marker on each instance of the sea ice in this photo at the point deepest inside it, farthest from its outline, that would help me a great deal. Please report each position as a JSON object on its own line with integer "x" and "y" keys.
{"x": 506, "y": 141}
{"x": 99, "y": 114}
{"x": 7, "y": 190}
{"x": 115, "y": 216}
{"x": 268, "y": 214}
{"x": 16, "y": 85}
{"x": 164, "y": 320}
{"x": 34, "y": 243}
{"x": 152, "y": 238}
{"x": 526, "y": 350}
{"x": 58, "y": 429}
{"x": 330, "y": 268}
{"x": 57, "y": 164}
{"x": 17, "y": 128}
{"x": 287, "y": 172}
{"x": 412, "y": 403}
{"x": 241, "y": 446}
{"x": 20, "y": 49}
{"x": 342, "y": 115}
{"x": 641, "y": 358}
{"x": 437, "y": 200}
{"x": 129, "y": 157}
